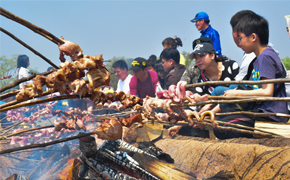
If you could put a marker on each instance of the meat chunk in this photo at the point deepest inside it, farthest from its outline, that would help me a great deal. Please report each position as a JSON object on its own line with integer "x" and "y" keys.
{"x": 70, "y": 49}
{"x": 98, "y": 77}
{"x": 109, "y": 130}
{"x": 131, "y": 120}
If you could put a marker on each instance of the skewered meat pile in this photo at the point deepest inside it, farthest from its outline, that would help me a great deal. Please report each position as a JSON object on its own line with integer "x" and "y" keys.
{"x": 68, "y": 79}
{"x": 110, "y": 129}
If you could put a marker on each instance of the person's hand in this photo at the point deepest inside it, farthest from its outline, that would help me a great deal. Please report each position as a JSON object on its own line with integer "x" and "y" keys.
{"x": 172, "y": 131}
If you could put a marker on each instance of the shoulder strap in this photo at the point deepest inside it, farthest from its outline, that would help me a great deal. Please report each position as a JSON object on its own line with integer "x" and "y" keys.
{"x": 202, "y": 75}
{"x": 250, "y": 69}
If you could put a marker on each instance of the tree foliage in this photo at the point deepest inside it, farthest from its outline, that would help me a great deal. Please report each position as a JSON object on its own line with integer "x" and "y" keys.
{"x": 286, "y": 62}
{"x": 8, "y": 67}
{"x": 188, "y": 62}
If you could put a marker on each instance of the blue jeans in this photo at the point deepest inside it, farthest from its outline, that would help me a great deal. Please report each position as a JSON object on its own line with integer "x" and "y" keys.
{"x": 220, "y": 90}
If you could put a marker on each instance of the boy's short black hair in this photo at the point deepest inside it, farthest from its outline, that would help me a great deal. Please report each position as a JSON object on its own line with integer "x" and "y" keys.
{"x": 150, "y": 62}
{"x": 238, "y": 16}
{"x": 170, "y": 53}
{"x": 254, "y": 23}
{"x": 120, "y": 64}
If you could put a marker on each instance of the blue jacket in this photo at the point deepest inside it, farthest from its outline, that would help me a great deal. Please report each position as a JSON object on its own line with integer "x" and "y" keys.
{"x": 215, "y": 37}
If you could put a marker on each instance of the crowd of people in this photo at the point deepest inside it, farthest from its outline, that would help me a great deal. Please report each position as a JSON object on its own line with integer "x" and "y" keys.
{"x": 250, "y": 32}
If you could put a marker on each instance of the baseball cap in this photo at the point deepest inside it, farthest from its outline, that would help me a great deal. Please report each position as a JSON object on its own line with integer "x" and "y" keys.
{"x": 202, "y": 48}
{"x": 201, "y": 40}
{"x": 200, "y": 15}
{"x": 138, "y": 64}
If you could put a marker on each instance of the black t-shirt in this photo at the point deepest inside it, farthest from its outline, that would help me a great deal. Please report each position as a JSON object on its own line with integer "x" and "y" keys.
{"x": 230, "y": 69}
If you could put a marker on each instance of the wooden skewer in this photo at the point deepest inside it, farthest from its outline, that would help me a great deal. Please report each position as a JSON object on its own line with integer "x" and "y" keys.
{"x": 229, "y": 124}
{"x": 31, "y": 26}
{"x": 46, "y": 144}
{"x": 223, "y": 83}
{"x": 260, "y": 99}
{"x": 26, "y": 130}
{"x": 33, "y": 102}
{"x": 17, "y": 82}
{"x": 208, "y": 124}
{"x": 28, "y": 47}
{"x": 15, "y": 101}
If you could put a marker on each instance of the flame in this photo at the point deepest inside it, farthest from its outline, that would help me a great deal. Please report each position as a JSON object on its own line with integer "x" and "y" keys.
{"x": 66, "y": 173}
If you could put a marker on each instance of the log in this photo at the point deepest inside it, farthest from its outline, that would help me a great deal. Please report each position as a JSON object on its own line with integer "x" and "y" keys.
{"x": 244, "y": 160}
{"x": 277, "y": 128}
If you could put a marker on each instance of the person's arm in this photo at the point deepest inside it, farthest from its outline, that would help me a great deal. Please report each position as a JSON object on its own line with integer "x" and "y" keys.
{"x": 267, "y": 90}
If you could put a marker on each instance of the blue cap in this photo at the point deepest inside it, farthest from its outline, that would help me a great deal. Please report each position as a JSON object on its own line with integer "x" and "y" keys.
{"x": 200, "y": 15}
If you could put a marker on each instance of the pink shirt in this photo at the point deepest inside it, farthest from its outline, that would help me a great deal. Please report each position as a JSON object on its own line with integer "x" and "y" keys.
{"x": 141, "y": 89}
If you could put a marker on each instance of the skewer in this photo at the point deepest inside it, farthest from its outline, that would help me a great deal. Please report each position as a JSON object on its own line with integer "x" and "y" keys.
{"x": 223, "y": 83}
{"x": 263, "y": 134}
{"x": 17, "y": 82}
{"x": 15, "y": 101}
{"x": 225, "y": 123}
{"x": 33, "y": 102}
{"x": 260, "y": 99}
{"x": 26, "y": 130}
{"x": 99, "y": 118}
{"x": 31, "y": 26}
{"x": 46, "y": 144}
{"x": 28, "y": 47}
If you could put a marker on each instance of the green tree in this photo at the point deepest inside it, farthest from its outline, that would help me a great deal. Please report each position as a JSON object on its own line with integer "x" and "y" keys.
{"x": 286, "y": 62}
{"x": 188, "y": 62}
{"x": 113, "y": 78}
{"x": 8, "y": 67}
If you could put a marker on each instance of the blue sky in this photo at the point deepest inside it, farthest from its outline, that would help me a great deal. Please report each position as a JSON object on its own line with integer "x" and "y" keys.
{"x": 130, "y": 28}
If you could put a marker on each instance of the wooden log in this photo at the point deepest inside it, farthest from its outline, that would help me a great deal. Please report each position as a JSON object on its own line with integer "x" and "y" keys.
{"x": 277, "y": 128}
{"x": 246, "y": 161}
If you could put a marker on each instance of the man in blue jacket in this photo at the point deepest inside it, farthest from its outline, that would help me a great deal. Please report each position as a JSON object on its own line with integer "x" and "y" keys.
{"x": 201, "y": 21}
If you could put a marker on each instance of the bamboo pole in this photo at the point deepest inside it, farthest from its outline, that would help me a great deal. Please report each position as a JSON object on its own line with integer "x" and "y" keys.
{"x": 224, "y": 83}
{"x": 229, "y": 124}
{"x": 31, "y": 26}
{"x": 46, "y": 144}
{"x": 17, "y": 82}
{"x": 33, "y": 102}
{"x": 261, "y": 99}
{"x": 249, "y": 131}
{"x": 26, "y": 130}
{"x": 28, "y": 47}
{"x": 15, "y": 101}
